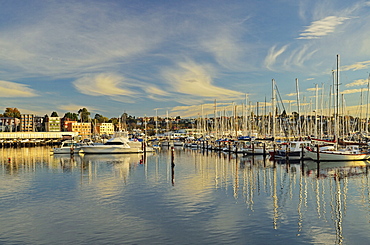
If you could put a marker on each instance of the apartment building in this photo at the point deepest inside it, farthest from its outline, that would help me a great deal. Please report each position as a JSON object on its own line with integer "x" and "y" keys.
{"x": 83, "y": 129}
{"x": 53, "y": 124}
{"x": 27, "y": 123}
{"x": 105, "y": 128}
{"x": 9, "y": 124}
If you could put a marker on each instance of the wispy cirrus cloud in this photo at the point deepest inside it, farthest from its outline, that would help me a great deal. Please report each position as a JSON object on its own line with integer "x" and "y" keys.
{"x": 314, "y": 89}
{"x": 351, "y": 91}
{"x": 323, "y": 27}
{"x": 359, "y": 82}
{"x": 272, "y": 56}
{"x": 75, "y": 108}
{"x": 193, "y": 79}
{"x": 102, "y": 84}
{"x": 68, "y": 39}
{"x": 225, "y": 48}
{"x": 357, "y": 66}
{"x": 11, "y": 89}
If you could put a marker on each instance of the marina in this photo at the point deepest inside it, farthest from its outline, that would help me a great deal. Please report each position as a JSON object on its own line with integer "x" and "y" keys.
{"x": 180, "y": 195}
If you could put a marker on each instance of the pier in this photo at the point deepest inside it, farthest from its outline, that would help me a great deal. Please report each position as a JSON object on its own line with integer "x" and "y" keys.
{"x": 30, "y": 139}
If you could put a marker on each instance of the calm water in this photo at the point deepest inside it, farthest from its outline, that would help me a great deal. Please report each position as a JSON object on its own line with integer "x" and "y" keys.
{"x": 204, "y": 199}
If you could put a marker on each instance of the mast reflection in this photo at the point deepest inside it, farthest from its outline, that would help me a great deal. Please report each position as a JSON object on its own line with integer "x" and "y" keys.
{"x": 283, "y": 192}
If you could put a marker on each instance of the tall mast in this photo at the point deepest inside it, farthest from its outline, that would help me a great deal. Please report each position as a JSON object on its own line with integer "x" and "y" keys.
{"x": 328, "y": 128}
{"x": 361, "y": 108}
{"x": 246, "y": 115}
{"x": 235, "y": 121}
{"x": 299, "y": 108}
{"x": 273, "y": 109}
{"x": 337, "y": 87}
{"x": 336, "y": 127}
{"x": 264, "y": 120}
{"x": 156, "y": 122}
{"x": 316, "y": 102}
{"x": 167, "y": 128}
{"x": 202, "y": 124}
{"x": 322, "y": 112}
{"x": 215, "y": 126}
{"x": 367, "y": 106}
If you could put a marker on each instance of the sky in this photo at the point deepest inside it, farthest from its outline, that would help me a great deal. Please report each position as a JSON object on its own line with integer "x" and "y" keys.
{"x": 150, "y": 58}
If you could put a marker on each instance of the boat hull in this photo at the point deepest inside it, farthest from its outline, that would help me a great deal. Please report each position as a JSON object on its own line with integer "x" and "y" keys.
{"x": 66, "y": 150}
{"x": 256, "y": 151}
{"x": 337, "y": 156}
{"x": 108, "y": 149}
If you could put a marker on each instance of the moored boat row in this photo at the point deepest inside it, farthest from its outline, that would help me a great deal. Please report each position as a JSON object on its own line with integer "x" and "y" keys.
{"x": 294, "y": 150}
{"x": 118, "y": 144}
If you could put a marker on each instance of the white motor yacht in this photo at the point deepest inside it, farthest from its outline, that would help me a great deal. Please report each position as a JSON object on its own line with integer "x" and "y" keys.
{"x": 67, "y": 147}
{"x": 118, "y": 144}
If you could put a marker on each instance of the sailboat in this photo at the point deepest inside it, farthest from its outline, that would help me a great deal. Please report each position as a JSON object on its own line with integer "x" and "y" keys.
{"x": 349, "y": 153}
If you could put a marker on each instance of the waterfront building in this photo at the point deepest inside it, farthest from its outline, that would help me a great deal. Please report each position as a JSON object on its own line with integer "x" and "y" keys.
{"x": 53, "y": 124}
{"x": 9, "y": 124}
{"x": 27, "y": 123}
{"x": 83, "y": 129}
{"x": 40, "y": 123}
{"x": 104, "y": 128}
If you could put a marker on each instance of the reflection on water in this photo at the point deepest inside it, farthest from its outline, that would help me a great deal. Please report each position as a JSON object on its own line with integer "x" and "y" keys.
{"x": 180, "y": 197}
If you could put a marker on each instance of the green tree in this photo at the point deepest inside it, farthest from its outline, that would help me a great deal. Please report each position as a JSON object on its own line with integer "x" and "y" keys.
{"x": 97, "y": 117}
{"x": 84, "y": 114}
{"x": 100, "y": 119}
{"x": 12, "y": 112}
{"x": 114, "y": 121}
{"x": 71, "y": 116}
{"x": 54, "y": 114}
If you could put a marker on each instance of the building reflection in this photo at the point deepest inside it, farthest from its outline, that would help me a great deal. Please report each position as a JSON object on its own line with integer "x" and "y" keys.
{"x": 21, "y": 160}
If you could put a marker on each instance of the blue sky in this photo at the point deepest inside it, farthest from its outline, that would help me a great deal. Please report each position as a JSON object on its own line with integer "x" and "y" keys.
{"x": 148, "y": 57}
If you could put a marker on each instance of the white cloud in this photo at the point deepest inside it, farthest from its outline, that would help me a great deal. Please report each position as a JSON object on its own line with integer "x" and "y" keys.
{"x": 359, "y": 82}
{"x": 153, "y": 90}
{"x": 72, "y": 38}
{"x": 225, "y": 48}
{"x": 314, "y": 89}
{"x": 299, "y": 56}
{"x": 272, "y": 56}
{"x": 322, "y": 27}
{"x": 193, "y": 79}
{"x": 357, "y": 66}
{"x": 11, "y": 89}
{"x": 351, "y": 91}
{"x": 75, "y": 108}
{"x": 102, "y": 84}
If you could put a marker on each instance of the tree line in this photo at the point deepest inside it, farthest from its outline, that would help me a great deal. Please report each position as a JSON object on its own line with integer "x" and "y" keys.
{"x": 82, "y": 115}
{"x": 125, "y": 121}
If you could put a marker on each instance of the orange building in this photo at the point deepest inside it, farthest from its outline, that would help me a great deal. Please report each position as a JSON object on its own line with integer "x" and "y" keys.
{"x": 83, "y": 129}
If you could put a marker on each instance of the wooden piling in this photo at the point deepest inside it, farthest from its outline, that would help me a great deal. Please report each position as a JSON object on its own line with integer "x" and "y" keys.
{"x": 172, "y": 156}
{"x": 287, "y": 153}
{"x": 317, "y": 153}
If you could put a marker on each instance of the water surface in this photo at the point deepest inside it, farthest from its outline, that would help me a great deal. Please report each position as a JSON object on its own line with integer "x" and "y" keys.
{"x": 193, "y": 197}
